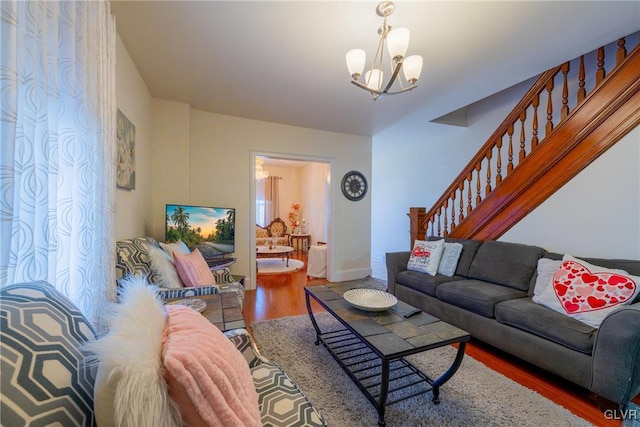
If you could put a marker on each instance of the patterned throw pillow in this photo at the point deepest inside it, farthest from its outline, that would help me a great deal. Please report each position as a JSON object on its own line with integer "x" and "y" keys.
{"x": 133, "y": 258}
{"x": 546, "y": 269}
{"x": 193, "y": 269}
{"x": 449, "y": 259}
{"x": 587, "y": 292}
{"x": 425, "y": 256}
{"x": 45, "y": 378}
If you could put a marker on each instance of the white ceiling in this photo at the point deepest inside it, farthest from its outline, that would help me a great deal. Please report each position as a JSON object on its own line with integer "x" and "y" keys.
{"x": 283, "y": 62}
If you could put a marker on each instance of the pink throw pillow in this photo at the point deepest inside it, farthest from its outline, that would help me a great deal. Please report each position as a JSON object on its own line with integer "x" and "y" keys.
{"x": 207, "y": 375}
{"x": 193, "y": 269}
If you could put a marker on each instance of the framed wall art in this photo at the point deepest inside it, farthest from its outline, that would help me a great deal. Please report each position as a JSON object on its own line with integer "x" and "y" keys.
{"x": 126, "y": 169}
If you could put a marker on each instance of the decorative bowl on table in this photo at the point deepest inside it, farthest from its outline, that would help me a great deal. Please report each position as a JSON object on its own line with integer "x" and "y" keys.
{"x": 193, "y": 303}
{"x": 370, "y": 299}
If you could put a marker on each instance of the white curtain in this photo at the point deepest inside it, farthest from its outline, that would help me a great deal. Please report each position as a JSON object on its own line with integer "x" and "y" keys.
{"x": 272, "y": 198}
{"x": 57, "y": 151}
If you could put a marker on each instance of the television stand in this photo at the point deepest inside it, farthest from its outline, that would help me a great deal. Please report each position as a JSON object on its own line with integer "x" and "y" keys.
{"x": 219, "y": 263}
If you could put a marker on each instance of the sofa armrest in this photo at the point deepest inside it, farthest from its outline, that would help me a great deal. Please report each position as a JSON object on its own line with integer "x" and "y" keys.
{"x": 396, "y": 262}
{"x": 616, "y": 356}
{"x": 243, "y": 342}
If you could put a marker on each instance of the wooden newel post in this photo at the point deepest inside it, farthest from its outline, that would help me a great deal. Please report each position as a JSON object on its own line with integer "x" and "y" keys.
{"x": 416, "y": 217}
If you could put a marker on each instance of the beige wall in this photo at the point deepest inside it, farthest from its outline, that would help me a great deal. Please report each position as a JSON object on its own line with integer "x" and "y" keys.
{"x": 221, "y": 151}
{"x": 194, "y": 157}
{"x": 133, "y": 208}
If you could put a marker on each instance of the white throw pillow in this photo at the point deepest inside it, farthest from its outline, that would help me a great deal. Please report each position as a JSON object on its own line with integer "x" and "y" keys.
{"x": 130, "y": 388}
{"x": 546, "y": 269}
{"x": 587, "y": 292}
{"x": 179, "y": 247}
{"x": 449, "y": 260}
{"x": 163, "y": 266}
{"x": 425, "y": 256}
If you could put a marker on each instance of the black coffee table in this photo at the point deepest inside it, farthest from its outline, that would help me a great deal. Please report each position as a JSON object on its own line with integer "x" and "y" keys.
{"x": 371, "y": 346}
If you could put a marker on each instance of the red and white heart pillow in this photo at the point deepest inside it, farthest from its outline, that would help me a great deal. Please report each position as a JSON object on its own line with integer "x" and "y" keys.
{"x": 588, "y": 292}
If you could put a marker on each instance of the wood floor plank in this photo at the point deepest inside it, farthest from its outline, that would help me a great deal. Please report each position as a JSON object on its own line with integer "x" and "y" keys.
{"x": 281, "y": 295}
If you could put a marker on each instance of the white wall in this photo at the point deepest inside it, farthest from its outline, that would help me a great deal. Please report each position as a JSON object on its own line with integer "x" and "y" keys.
{"x": 314, "y": 181}
{"x": 220, "y": 166}
{"x": 133, "y": 208}
{"x": 596, "y": 214}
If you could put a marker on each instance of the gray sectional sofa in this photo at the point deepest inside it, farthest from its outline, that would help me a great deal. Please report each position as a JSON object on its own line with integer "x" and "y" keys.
{"x": 490, "y": 296}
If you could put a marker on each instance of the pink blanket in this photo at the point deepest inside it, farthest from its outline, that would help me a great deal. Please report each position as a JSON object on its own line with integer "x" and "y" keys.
{"x": 208, "y": 377}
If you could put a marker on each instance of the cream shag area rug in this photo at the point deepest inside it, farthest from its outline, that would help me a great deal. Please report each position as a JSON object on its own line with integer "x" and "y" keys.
{"x": 475, "y": 396}
{"x": 277, "y": 265}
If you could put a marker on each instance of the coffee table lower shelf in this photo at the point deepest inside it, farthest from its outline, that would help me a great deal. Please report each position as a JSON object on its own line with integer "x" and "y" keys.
{"x": 394, "y": 380}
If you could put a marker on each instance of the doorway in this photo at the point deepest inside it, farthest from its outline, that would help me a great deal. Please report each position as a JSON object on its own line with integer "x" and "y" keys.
{"x": 301, "y": 181}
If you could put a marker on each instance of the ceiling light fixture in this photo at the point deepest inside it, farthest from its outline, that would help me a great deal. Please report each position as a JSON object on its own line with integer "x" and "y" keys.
{"x": 397, "y": 42}
{"x": 260, "y": 173}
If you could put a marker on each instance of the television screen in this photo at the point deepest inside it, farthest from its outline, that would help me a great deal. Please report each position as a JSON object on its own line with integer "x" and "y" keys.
{"x": 210, "y": 229}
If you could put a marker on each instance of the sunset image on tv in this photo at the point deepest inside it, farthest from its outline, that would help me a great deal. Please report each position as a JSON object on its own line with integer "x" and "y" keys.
{"x": 211, "y": 229}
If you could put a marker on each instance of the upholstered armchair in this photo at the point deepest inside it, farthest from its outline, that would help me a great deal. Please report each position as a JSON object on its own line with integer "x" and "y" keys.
{"x": 275, "y": 231}
{"x": 262, "y": 236}
{"x": 278, "y": 229}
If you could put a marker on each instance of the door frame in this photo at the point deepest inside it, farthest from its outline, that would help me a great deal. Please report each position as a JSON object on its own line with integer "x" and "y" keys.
{"x": 253, "y": 282}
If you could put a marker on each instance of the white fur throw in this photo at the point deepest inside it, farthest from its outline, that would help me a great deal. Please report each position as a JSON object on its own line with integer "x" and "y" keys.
{"x": 130, "y": 388}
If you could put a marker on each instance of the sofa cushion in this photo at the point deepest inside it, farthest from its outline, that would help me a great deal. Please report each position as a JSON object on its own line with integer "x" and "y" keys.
{"x": 588, "y": 292}
{"x": 476, "y": 296}
{"x": 422, "y": 282}
{"x": 524, "y": 314}
{"x": 164, "y": 267}
{"x": 504, "y": 263}
{"x": 281, "y": 402}
{"x": 193, "y": 269}
{"x": 45, "y": 378}
{"x": 425, "y": 256}
{"x": 207, "y": 375}
{"x": 132, "y": 256}
{"x": 469, "y": 249}
{"x": 449, "y": 259}
{"x": 130, "y": 363}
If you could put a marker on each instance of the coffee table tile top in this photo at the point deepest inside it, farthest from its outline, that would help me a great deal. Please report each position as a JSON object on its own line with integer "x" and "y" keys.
{"x": 388, "y": 330}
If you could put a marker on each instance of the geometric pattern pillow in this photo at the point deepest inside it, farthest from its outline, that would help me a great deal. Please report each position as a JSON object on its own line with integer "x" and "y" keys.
{"x": 133, "y": 258}
{"x": 44, "y": 377}
{"x": 281, "y": 402}
{"x": 449, "y": 260}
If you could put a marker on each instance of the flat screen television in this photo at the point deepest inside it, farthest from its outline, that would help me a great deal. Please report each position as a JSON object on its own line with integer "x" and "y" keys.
{"x": 210, "y": 229}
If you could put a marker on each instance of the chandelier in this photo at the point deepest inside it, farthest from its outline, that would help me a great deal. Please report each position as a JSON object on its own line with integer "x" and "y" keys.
{"x": 260, "y": 173}
{"x": 397, "y": 42}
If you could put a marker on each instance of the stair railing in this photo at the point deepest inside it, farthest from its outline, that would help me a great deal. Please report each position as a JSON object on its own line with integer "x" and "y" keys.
{"x": 518, "y": 136}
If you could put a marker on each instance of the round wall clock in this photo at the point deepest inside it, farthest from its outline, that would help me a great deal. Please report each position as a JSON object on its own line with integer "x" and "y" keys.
{"x": 354, "y": 185}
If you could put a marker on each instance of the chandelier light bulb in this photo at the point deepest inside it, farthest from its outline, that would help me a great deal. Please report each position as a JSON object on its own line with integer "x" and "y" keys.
{"x": 355, "y": 62}
{"x": 373, "y": 79}
{"x": 412, "y": 67}
{"x": 398, "y": 43}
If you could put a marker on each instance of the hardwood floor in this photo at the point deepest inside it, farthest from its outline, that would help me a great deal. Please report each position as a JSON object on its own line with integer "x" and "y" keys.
{"x": 280, "y": 295}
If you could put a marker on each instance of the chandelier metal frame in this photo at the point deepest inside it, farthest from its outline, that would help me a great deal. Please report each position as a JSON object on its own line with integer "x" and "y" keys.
{"x": 396, "y": 60}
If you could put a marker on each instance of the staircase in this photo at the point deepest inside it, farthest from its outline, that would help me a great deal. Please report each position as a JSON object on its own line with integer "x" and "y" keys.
{"x": 523, "y": 163}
